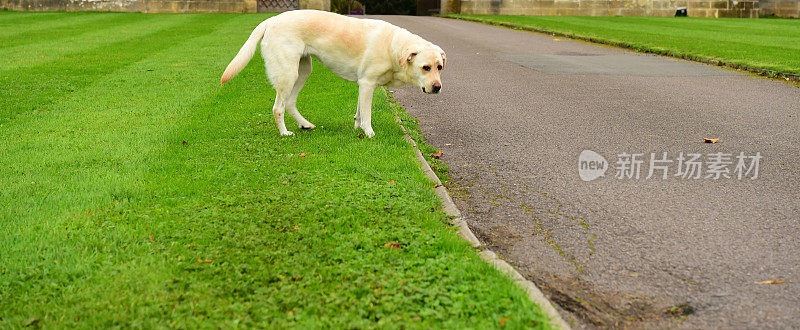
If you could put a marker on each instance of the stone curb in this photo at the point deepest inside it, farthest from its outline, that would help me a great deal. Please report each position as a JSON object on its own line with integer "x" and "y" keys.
{"x": 534, "y": 294}
{"x": 791, "y": 77}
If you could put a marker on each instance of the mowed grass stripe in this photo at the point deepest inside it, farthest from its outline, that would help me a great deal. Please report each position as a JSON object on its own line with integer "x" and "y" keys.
{"x": 80, "y": 124}
{"x": 33, "y": 88}
{"x": 38, "y": 53}
{"x": 16, "y": 17}
{"x": 64, "y": 26}
{"x": 102, "y": 140}
{"x": 284, "y": 240}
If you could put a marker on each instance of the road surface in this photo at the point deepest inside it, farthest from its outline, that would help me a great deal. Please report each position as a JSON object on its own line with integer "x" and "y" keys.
{"x": 518, "y": 108}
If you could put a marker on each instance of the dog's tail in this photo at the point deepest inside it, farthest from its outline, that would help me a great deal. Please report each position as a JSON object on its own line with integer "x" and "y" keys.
{"x": 245, "y": 54}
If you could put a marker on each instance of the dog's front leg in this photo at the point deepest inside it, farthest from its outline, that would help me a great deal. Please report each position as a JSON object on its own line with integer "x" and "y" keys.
{"x": 365, "y": 90}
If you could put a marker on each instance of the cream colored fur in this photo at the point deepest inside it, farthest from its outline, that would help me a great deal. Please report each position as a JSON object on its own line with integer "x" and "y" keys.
{"x": 369, "y": 52}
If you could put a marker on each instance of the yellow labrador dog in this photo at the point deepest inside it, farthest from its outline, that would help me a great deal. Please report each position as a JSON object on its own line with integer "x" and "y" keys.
{"x": 367, "y": 51}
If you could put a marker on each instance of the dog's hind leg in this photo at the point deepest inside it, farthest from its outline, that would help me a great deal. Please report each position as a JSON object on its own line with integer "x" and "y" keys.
{"x": 303, "y": 71}
{"x": 282, "y": 58}
{"x": 279, "y": 108}
{"x": 283, "y": 87}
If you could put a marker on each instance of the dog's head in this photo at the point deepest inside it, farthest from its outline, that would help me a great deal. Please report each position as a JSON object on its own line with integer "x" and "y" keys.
{"x": 423, "y": 64}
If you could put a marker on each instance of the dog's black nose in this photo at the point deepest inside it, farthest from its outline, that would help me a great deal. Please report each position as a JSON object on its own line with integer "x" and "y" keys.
{"x": 436, "y": 87}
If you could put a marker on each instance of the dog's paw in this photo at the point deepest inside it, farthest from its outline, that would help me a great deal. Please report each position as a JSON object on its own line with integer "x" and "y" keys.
{"x": 369, "y": 133}
{"x": 287, "y": 133}
{"x": 307, "y": 126}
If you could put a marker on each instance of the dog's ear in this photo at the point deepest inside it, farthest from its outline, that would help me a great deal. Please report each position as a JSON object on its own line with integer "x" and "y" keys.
{"x": 408, "y": 57}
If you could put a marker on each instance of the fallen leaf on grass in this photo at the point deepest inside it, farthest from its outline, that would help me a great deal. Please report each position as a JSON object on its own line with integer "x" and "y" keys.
{"x": 393, "y": 182}
{"x": 200, "y": 260}
{"x": 296, "y": 227}
{"x": 296, "y": 279}
{"x": 707, "y": 140}
{"x": 361, "y": 136}
{"x": 184, "y": 142}
{"x": 503, "y": 321}
{"x": 436, "y": 154}
{"x": 393, "y": 245}
{"x": 303, "y": 154}
{"x": 770, "y": 282}
{"x": 151, "y": 238}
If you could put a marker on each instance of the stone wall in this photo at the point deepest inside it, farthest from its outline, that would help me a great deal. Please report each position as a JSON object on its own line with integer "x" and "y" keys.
{"x": 150, "y": 6}
{"x": 781, "y": 8}
{"x": 701, "y": 8}
{"x": 316, "y": 4}
{"x": 723, "y": 8}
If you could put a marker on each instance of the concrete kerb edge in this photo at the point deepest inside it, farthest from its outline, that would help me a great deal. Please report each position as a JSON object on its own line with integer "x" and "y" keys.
{"x": 779, "y": 75}
{"x": 534, "y": 293}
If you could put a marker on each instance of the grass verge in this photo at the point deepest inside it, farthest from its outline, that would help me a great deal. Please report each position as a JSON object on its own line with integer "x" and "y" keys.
{"x": 415, "y": 132}
{"x": 138, "y": 193}
{"x": 764, "y": 46}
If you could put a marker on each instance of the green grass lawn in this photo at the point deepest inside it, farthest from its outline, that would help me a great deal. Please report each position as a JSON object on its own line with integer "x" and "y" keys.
{"x": 137, "y": 192}
{"x": 761, "y": 43}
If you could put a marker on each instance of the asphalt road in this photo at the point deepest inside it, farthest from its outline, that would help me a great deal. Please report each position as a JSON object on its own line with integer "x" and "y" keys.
{"x": 516, "y": 111}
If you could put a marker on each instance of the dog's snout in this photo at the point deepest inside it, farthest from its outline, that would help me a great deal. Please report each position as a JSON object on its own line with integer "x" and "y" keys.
{"x": 436, "y": 87}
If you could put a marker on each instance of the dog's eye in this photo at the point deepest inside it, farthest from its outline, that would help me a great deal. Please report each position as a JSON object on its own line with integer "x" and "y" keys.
{"x": 426, "y": 68}
{"x": 439, "y": 67}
